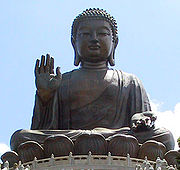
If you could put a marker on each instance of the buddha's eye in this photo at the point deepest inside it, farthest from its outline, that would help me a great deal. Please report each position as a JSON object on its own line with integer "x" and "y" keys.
{"x": 84, "y": 34}
{"x": 103, "y": 34}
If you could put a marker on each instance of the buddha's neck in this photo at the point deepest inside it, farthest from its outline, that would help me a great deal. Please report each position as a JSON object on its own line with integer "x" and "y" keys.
{"x": 94, "y": 66}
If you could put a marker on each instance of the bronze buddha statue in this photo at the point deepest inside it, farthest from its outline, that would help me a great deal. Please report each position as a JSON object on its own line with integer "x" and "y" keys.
{"x": 93, "y": 99}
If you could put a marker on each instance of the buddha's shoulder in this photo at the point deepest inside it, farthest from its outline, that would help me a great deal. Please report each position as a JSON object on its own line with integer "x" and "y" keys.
{"x": 127, "y": 76}
{"x": 67, "y": 75}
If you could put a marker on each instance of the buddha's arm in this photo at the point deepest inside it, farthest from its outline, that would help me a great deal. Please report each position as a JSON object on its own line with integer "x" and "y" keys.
{"x": 47, "y": 84}
{"x": 45, "y": 116}
{"x": 143, "y": 118}
{"x": 142, "y": 103}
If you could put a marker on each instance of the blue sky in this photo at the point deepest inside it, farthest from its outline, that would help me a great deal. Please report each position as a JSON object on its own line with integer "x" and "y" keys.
{"x": 149, "y": 47}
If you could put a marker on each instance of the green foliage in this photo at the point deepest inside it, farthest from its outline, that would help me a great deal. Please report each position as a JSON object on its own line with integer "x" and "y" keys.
{"x": 178, "y": 141}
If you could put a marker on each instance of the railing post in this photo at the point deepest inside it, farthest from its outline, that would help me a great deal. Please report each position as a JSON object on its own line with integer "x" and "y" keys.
{"x": 52, "y": 161}
{"x": 34, "y": 163}
{"x": 70, "y": 158}
{"x": 109, "y": 158}
{"x": 20, "y": 166}
{"x": 89, "y": 158}
{"x": 128, "y": 160}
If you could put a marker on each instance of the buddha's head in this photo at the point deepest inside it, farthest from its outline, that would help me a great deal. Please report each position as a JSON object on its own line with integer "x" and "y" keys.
{"x": 94, "y": 37}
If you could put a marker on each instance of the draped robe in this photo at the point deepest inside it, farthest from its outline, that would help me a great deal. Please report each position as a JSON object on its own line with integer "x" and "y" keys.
{"x": 88, "y": 99}
{"x": 91, "y": 101}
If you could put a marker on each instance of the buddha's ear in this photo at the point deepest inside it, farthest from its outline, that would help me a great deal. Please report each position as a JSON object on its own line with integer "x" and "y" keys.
{"x": 116, "y": 42}
{"x": 76, "y": 56}
{"x": 111, "y": 57}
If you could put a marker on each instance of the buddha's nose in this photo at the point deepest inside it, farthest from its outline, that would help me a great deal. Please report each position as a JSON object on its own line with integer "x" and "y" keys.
{"x": 94, "y": 38}
{"x": 94, "y": 41}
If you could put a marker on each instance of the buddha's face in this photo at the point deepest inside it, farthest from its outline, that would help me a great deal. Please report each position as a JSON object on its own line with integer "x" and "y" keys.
{"x": 94, "y": 40}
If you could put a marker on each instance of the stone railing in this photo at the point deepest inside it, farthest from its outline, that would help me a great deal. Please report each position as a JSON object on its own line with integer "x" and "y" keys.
{"x": 91, "y": 162}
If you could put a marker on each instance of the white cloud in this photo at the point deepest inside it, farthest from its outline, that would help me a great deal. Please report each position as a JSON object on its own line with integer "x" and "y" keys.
{"x": 169, "y": 119}
{"x": 3, "y": 148}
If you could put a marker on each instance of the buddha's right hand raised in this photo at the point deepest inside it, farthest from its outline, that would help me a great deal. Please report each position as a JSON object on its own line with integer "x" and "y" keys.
{"x": 46, "y": 81}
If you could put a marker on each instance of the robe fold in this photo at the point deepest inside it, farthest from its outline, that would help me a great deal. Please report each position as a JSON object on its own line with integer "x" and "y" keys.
{"x": 89, "y": 99}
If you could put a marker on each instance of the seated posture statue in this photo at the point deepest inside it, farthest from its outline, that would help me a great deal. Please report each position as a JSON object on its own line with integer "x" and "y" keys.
{"x": 93, "y": 99}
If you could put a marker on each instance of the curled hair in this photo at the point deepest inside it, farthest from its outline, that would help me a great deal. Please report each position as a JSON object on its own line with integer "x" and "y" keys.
{"x": 95, "y": 13}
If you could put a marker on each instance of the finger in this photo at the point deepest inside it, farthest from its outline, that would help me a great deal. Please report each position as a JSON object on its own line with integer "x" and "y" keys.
{"x": 36, "y": 70}
{"x": 47, "y": 66}
{"x": 58, "y": 73}
{"x": 52, "y": 66}
{"x": 42, "y": 64}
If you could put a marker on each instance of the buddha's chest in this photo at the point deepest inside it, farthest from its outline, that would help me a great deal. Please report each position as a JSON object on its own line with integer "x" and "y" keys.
{"x": 86, "y": 87}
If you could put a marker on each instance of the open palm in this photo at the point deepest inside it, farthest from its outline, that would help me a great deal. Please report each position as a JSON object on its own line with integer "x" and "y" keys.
{"x": 46, "y": 80}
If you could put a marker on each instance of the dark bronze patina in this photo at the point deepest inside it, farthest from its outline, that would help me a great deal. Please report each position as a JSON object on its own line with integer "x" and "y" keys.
{"x": 94, "y": 102}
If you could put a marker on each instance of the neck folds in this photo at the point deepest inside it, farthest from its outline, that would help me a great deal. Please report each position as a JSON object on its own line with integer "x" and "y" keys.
{"x": 94, "y": 66}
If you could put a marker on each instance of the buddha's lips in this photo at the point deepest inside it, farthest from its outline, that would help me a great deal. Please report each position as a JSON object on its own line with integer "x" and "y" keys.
{"x": 94, "y": 47}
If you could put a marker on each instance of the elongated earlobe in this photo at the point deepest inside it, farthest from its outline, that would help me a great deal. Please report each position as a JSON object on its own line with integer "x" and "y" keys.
{"x": 76, "y": 56}
{"x": 111, "y": 57}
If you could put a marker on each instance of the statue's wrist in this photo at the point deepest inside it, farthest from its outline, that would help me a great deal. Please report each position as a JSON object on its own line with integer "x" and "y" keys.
{"x": 45, "y": 95}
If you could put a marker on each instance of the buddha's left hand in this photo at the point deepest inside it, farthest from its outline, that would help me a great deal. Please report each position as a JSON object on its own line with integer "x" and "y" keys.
{"x": 143, "y": 121}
